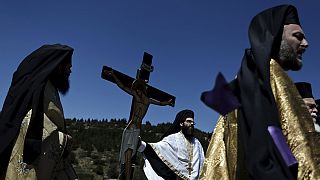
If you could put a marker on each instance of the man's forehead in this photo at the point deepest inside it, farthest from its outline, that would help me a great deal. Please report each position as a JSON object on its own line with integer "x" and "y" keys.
{"x": 189, "y": 119}
{"x": 309, "y": 101}
{"x": 293, "y": 27}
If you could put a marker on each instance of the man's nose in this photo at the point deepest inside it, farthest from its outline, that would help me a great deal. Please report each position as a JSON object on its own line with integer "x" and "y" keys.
{"x": 304, "y": 43}
{"x": 68, "y": 69}
{"x": 314, "y": 110}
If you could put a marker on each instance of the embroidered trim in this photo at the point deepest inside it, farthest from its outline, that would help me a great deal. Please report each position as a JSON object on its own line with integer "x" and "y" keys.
{"x": 21, "y": 167}
{"x": 168, "y": 163}
{"x": 190, "y": 153}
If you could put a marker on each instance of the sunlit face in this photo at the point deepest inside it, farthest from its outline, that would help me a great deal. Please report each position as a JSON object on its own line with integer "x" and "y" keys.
{"x": 293, "y": 45}
{"x": 312, "y": 106}
{"x": 187, "y": 127}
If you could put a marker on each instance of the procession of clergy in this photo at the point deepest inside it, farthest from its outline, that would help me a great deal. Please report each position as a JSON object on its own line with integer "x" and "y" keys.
{"x": 269, "y": 126}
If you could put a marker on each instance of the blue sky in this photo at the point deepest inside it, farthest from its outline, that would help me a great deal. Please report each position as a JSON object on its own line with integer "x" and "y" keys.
{"x": 191, "y": 41}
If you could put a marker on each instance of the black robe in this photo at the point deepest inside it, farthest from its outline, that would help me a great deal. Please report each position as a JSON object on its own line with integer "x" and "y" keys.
{"x": 252, "y": 87}
{"x": 25, "y": 93}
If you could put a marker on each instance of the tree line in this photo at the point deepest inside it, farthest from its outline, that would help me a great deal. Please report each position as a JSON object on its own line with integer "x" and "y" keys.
{"x": 96, "y": 145}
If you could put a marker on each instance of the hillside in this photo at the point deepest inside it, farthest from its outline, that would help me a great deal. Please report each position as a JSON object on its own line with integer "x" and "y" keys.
{"x": 96, "y": 145}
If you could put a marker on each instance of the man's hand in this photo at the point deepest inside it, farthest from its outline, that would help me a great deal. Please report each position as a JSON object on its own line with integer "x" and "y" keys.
{"x": 141, "y": 145}
{"x": 68, "y": 147}
{"x": 69, "y": 139}
{"x": 171, "y": 103}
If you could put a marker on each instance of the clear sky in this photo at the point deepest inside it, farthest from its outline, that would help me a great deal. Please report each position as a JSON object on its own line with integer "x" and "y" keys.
{"x": 190, "y": 40}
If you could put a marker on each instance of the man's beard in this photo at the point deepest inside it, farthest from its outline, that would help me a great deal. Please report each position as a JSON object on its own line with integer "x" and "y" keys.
{"x": 314, "y": 116}
{"x": 61, "y": 82}
{"x": 288, "y": 57}
{"x": 317, "y": 119}
{"x": 187, "y": 131}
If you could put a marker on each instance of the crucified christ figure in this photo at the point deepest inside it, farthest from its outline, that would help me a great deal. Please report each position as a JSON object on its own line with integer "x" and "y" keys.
{"x": 140, "y": 105}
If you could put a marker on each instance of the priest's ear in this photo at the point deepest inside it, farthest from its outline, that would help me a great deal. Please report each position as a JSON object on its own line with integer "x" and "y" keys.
{"x": 181, "y": 124}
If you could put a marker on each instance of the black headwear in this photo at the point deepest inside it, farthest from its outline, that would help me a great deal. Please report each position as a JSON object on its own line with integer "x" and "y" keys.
{"x": 259, "y": 110}
{"x": 292, "y": 17}
{"x": 304, "y": 89}
{"x": 25, "y": 93}
{"x": 180, "y": 117}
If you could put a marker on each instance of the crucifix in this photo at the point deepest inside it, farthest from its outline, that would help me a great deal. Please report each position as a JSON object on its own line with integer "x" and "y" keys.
{"x": 142, "y": 96}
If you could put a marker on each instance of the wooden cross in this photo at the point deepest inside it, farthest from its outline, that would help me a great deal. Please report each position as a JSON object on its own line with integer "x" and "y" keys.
{"x": 143, "y": 95}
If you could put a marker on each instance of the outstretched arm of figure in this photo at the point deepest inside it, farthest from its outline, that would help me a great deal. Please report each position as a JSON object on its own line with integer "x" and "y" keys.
{"x": 118, "y": 82}
{"x": 163, "y": 103}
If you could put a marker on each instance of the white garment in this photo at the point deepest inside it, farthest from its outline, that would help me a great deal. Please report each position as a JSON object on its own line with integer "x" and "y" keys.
{"x": 149, "y": 172}
{"x": 172, "y": 150}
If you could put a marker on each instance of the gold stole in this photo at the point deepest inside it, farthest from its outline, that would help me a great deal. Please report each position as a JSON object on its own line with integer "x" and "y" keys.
{"x": 297, "y": 126}
{"x": 189, "y": 146}
{"x": 296, "y": 123}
